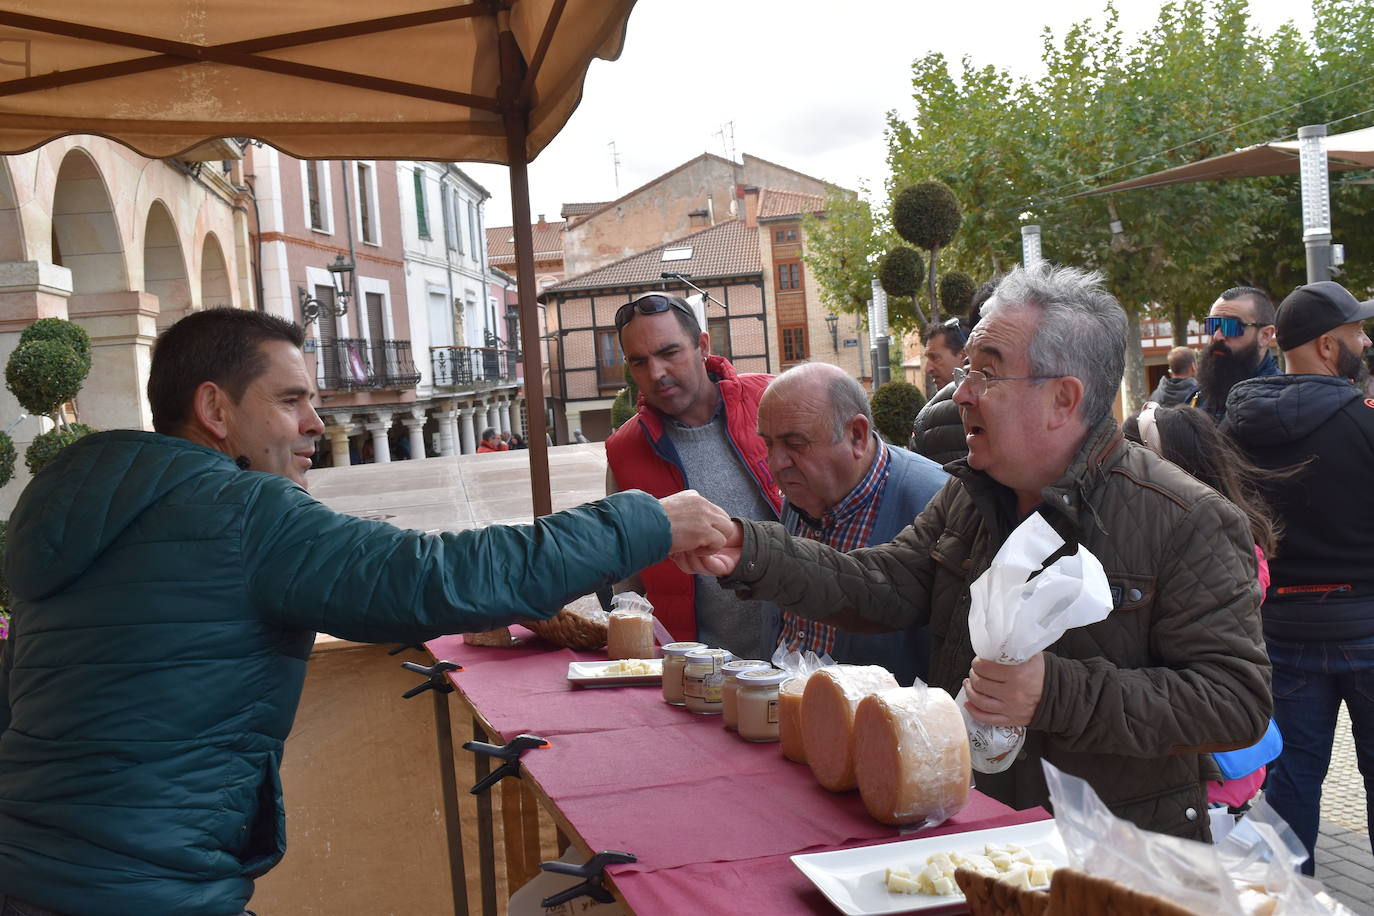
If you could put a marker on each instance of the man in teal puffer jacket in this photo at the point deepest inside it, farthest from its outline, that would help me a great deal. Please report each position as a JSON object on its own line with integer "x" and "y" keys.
{"x": 167, "y": 590}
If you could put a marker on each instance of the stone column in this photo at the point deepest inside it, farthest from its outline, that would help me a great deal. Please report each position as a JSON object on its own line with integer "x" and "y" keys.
{"x": 339, "y": 428}
{"x": 381, "y": 446}
{"x": 469, "y": 437}
{"x": 503, "y": 412}
{"x": 450, "y": 422}
{"x": 123, "y": 327}
{"x": 445, "y": 433}
{"x": 493, "y": 419}
{"x": 415, "y": 428}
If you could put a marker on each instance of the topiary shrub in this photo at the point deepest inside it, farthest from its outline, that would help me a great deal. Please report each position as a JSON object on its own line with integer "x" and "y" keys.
{"x": 73, "y": 335}
{"x": 45, "y": 446}
{"x": 8, "y": 456}
{"x": 895, "y": 406}
{"x": 44, "y": 374}
{"x": 901, "y": 271}
{"x": 956, "y": 292}
{"x": 927, "y": 214}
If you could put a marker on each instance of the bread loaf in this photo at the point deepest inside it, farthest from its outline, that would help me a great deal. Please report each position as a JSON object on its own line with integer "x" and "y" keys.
{"x": 827, "y": 719}
{"x": 911, "y": 755}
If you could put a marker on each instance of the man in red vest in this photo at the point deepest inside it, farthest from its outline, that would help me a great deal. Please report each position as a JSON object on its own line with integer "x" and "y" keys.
{"x": 695, "y": 428}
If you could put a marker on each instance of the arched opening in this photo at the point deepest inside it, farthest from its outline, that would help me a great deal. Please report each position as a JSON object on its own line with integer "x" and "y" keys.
{"x": 214, "y": 275}
{"x": 85, "y": 236}
{"x": 164, "y": 266}
{"x": 11, "y": 229}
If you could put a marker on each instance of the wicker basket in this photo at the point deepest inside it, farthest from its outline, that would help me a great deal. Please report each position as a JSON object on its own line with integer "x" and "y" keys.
{"x": 1075, "y": 892}
{"x": 1071, "y": 893}
{"x": 989, "y": 897}
{"x": 570, "y": 629}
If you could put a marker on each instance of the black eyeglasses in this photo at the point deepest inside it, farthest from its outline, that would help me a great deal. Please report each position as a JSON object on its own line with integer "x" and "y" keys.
{"x": 653, "y": 304}
{"x": 1229, "y": 325}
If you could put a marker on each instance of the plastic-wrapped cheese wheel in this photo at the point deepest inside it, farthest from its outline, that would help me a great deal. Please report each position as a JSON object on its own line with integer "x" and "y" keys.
{"x": 789, "y": 719}
{"x": 911, "y": 755}
{"x": 827, "y": 719}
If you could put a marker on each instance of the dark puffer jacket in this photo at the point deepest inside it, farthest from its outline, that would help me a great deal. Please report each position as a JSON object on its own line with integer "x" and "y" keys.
{"x": 1322, "y": 584}
{"x": 165, "y": 605}
{"x": 1171, "y": 391}
{"x": 1134, "y": 704}
{"x": 939, "y": 430}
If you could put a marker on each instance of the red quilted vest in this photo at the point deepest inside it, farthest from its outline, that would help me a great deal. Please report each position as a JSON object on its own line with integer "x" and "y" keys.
{"x": 638, "y": 461}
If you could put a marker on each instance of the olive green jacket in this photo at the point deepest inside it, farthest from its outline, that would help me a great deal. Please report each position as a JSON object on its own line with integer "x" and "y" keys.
{"x": 1134, "y": 703}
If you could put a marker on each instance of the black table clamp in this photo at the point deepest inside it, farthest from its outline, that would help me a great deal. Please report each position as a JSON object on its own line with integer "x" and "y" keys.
{"x": 437, "y": 682}
{"x": 593, "y": 871}
{"x": 510, "y": 752}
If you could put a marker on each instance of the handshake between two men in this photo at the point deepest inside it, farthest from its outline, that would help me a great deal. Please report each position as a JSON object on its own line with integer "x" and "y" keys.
{"x": 705, "y": 539}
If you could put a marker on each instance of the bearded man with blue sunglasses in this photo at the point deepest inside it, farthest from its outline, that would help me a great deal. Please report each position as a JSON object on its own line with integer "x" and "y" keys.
{"x": 1240, "y": 328}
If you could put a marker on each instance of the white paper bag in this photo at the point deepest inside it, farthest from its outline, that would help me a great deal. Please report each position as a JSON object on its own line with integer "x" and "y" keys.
{"x": 1013, "y": 616}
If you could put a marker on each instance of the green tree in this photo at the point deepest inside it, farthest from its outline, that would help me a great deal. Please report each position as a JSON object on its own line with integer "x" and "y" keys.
{"x": 956, "y": 292}
{"x": 899, "y": 274}
{"x": 843, "y": 245}
{"x": 1201, "y": 81}
{"x": 626, "y": 401}
{"x": 45, "y": 446}
{"x": 927, "y": 215}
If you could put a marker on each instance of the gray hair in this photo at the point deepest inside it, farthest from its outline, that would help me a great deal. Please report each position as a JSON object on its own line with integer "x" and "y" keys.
{"x": 1082, "y": 329}
{"x": 845, "y": 396}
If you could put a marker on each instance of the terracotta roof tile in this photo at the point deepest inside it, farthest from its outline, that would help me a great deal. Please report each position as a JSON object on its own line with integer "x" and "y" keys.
{"x": 774, "y": 204}
{"x": 548, "y": 242}
{"x": 728, "y": 249}
{"x": 581, "y": 209}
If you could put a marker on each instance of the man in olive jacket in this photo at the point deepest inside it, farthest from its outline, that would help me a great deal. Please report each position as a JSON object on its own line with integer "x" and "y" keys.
{"x": 1134, "y": 703}
{"x": 167, "y": 589}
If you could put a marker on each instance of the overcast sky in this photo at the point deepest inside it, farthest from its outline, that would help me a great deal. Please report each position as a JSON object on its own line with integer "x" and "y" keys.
{"x": 802, "y": 86}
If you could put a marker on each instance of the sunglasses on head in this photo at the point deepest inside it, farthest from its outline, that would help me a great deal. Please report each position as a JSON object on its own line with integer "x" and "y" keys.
{"x": 954, "y": 327}
{"x": 1229, "y": 326}
{"x": 653, "y": 304}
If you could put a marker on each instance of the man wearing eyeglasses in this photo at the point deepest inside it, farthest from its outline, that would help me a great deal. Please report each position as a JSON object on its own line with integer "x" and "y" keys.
{"x": 1319, "y": 611}
{"x": 1136, "y": 703}
{"x": 694, "y": 428}
{"x": 1241, "y": 328}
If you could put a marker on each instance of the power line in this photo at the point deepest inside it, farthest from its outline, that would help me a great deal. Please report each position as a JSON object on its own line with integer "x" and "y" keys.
{"x": 1187, "y": 143}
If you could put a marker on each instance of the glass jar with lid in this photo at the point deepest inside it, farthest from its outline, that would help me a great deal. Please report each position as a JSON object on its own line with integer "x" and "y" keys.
{"x": 674, "y": 658}
{"x": 757, "y": 700}
{"x": 630, "y": 631}
{"x": 729, "y": 712}
{"x": 702, "y": 680}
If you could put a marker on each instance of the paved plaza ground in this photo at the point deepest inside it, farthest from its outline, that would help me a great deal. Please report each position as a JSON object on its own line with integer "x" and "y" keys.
{"x": 474, "y": 490}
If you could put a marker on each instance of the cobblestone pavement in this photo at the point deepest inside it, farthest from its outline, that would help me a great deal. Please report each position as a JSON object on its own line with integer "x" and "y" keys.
{"x": 1345, "y": 864}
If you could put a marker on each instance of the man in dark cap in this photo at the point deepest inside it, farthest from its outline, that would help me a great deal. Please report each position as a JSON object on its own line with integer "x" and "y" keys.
{"x": 1319, "y": 612}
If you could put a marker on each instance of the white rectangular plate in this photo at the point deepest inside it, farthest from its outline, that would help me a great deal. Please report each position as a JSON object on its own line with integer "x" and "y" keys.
{"x": 855, "y": 880}
{"x": 588, "y": 674}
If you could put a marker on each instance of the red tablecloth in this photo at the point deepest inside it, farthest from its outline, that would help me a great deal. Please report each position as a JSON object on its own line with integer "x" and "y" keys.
{"x": 712, "y": 819}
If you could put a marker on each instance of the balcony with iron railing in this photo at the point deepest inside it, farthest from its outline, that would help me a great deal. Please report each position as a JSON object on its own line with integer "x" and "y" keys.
{"x": 358, "y": 364}
{"x": 474, "y": 367}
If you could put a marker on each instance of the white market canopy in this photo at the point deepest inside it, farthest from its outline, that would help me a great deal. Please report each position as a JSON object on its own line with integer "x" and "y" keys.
{"x": 485, "y": 80}
{"x": 1344, "y": 152}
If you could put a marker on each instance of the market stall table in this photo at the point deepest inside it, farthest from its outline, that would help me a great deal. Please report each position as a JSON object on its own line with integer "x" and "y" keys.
{"x": 709, "y": 817}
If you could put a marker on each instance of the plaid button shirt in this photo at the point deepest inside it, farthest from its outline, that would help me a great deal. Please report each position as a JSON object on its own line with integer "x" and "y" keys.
{"x": 846, "y": 526}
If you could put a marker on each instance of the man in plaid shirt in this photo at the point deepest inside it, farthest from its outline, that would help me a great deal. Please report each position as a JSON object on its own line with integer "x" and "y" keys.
{"x": 846, "y": 488}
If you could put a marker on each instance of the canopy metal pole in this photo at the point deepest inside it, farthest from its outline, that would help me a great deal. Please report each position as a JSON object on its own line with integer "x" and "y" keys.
{"x": 531, "y": 335}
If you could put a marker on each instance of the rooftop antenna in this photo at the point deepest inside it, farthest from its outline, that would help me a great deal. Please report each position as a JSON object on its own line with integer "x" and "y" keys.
{"x": 727, "y": 139}
{"x": 615, "y": 165}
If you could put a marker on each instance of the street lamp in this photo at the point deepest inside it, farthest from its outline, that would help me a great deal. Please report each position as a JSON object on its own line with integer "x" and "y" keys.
{"x": 1316, "y": 201}
{"x": 341, "y": 272}
{"x": 1030, "y": 246}
{"x": 832, "y": 321}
